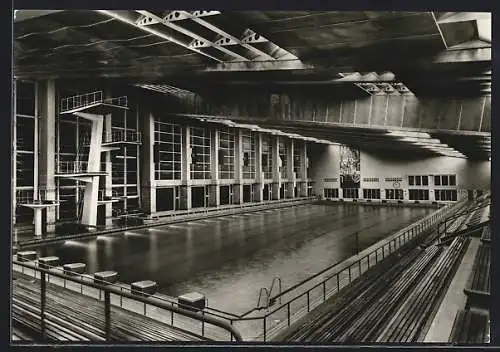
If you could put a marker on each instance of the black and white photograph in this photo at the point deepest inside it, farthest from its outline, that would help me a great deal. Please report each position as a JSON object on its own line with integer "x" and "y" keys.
{"x": 250, "y": 176}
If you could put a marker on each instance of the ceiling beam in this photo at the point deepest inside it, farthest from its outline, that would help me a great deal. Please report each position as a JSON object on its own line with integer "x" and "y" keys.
{"x": 454, "y": 17}
{"x": 463, "y": 56}
{"x": 133, "y": 22}
{"x": 439, "y": 30}
{"x": 191, "y": 34}
{"x": 274, "y": 65}
{"x": 23, "y": 15}
{"x": 224, "y": 34}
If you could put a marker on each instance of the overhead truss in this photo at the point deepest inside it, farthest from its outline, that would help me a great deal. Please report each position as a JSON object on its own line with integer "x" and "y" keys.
{"x": 374, "y": 83}
{"x": 255, "y": 47}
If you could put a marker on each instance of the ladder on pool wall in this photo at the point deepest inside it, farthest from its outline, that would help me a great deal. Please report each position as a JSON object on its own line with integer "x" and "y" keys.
{"x": 265, "y": 295}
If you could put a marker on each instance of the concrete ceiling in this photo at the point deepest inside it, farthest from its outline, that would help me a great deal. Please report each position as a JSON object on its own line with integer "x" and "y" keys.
{"x": 434, "y": 53}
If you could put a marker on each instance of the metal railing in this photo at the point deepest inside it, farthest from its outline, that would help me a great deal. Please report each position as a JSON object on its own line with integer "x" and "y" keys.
{"x": 106, "y": 289}
{"x": 82, "y": 100}
{"x": 72, "y": 167}
{"x": 443, "y": 225}
{"x": 123, "y": 136}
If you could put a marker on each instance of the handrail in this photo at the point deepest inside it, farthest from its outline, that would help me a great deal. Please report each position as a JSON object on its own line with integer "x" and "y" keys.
{"x": 458, "y": 215}
{"x": 108, "y": 287}
{"x": 266, "y": 297}
{"x": 467, "y": 211}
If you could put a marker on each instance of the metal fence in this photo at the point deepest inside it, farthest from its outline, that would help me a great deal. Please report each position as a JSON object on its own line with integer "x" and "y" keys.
{"x": 208, "y": 322}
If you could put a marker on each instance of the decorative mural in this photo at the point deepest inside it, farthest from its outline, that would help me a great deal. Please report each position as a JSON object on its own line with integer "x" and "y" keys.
{"x": 349, "y": 167}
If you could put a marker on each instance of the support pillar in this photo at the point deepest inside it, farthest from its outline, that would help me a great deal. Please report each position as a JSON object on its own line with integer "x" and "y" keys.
{"x": 259, "y": 176}
{"x": 147, "y": 159}
{"x": 185, "y": 189}
{"x": 90, "y": 197}
{"x": 276, "y": 185}
{"x": 89, "y": 215}
{"x": 303, "y": 170}
{"x": 290, "y": 186}
{"x": 238, "y": 169}
{"x": 46, "y": 101}
{"x": 213, "y": 190}
{"x": 108, "y": 182}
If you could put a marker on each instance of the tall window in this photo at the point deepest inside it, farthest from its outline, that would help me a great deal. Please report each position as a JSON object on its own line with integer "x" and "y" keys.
{"x": 267, "y": 152}
{"x": 418, "y": 194}
{"x": 418, "y": 180}
{"x": 226, "y": 153}
{"x": 25, "y": 132}
{"x": 167, "y": 151}
{"x": 445, "y": 194}
{"x": 297, "y": 158}
{"x": 445, "y": 180}
{"x": 350, "y": 193}
{"x": 331, "y": 192}
{"x": 283, "y": 153}
{"x": 200, "y": 153}
{"x": 248, "y": 146}
{"x": 394, "y": 194}
{"x": 125, "y": 177}
{"x": 369, "y": 193}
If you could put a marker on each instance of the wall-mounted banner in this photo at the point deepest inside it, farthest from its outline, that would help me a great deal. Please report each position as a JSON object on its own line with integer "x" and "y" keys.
{"x": 349, "y": 167}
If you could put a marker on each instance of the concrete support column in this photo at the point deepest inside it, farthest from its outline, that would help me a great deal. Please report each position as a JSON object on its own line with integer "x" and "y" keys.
{"x": 303, "y": 170}
{"x": 147, "y": 158}
{"x": 90, "y": 197}
{"x": 259, "y": 177}
{"x": 213, "y": 190}
{"x": 290, "y": 186}
{"x": 185, "y": 189}
{"x": 238, "y": 168}
{"x": 276, "y": 185}
{"x": 46, "y": 101}
{"x": 108, "y": 182}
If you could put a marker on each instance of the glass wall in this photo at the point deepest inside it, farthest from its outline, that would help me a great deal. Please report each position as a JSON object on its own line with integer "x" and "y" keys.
{"x": 226, "y": 153}
{"x": 283, "y": 152}
{"x": 248, "y": 149}
{"x": 297, "y": 158}
{"x": 267, "y": 152}
{"x": 167, "y": 150}
{"x": 200, "y": 153}
{"x": 25, "y": 130}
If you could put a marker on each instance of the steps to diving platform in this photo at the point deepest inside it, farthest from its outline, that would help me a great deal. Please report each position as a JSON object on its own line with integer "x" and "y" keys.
{"x": 92, "y": 103}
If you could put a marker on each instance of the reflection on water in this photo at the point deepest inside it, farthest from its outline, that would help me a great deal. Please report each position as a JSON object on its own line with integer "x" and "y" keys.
{"x": 230, "y": 258}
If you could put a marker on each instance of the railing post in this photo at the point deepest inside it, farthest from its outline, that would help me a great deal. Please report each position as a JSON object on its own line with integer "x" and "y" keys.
{"x": 288, "y": 312}
{"x": 265, "y": 327}
{"x": 308, "y": 299}
{"x": 338, "y": 283}
{"x": 172, "y": 316}
{"x": 349, "y": 274}
{"x": 324, "y": 290}
{"x": 43, "y": 301}
{"x": 203, "y": 324}
{"x": 107, "y": 314}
